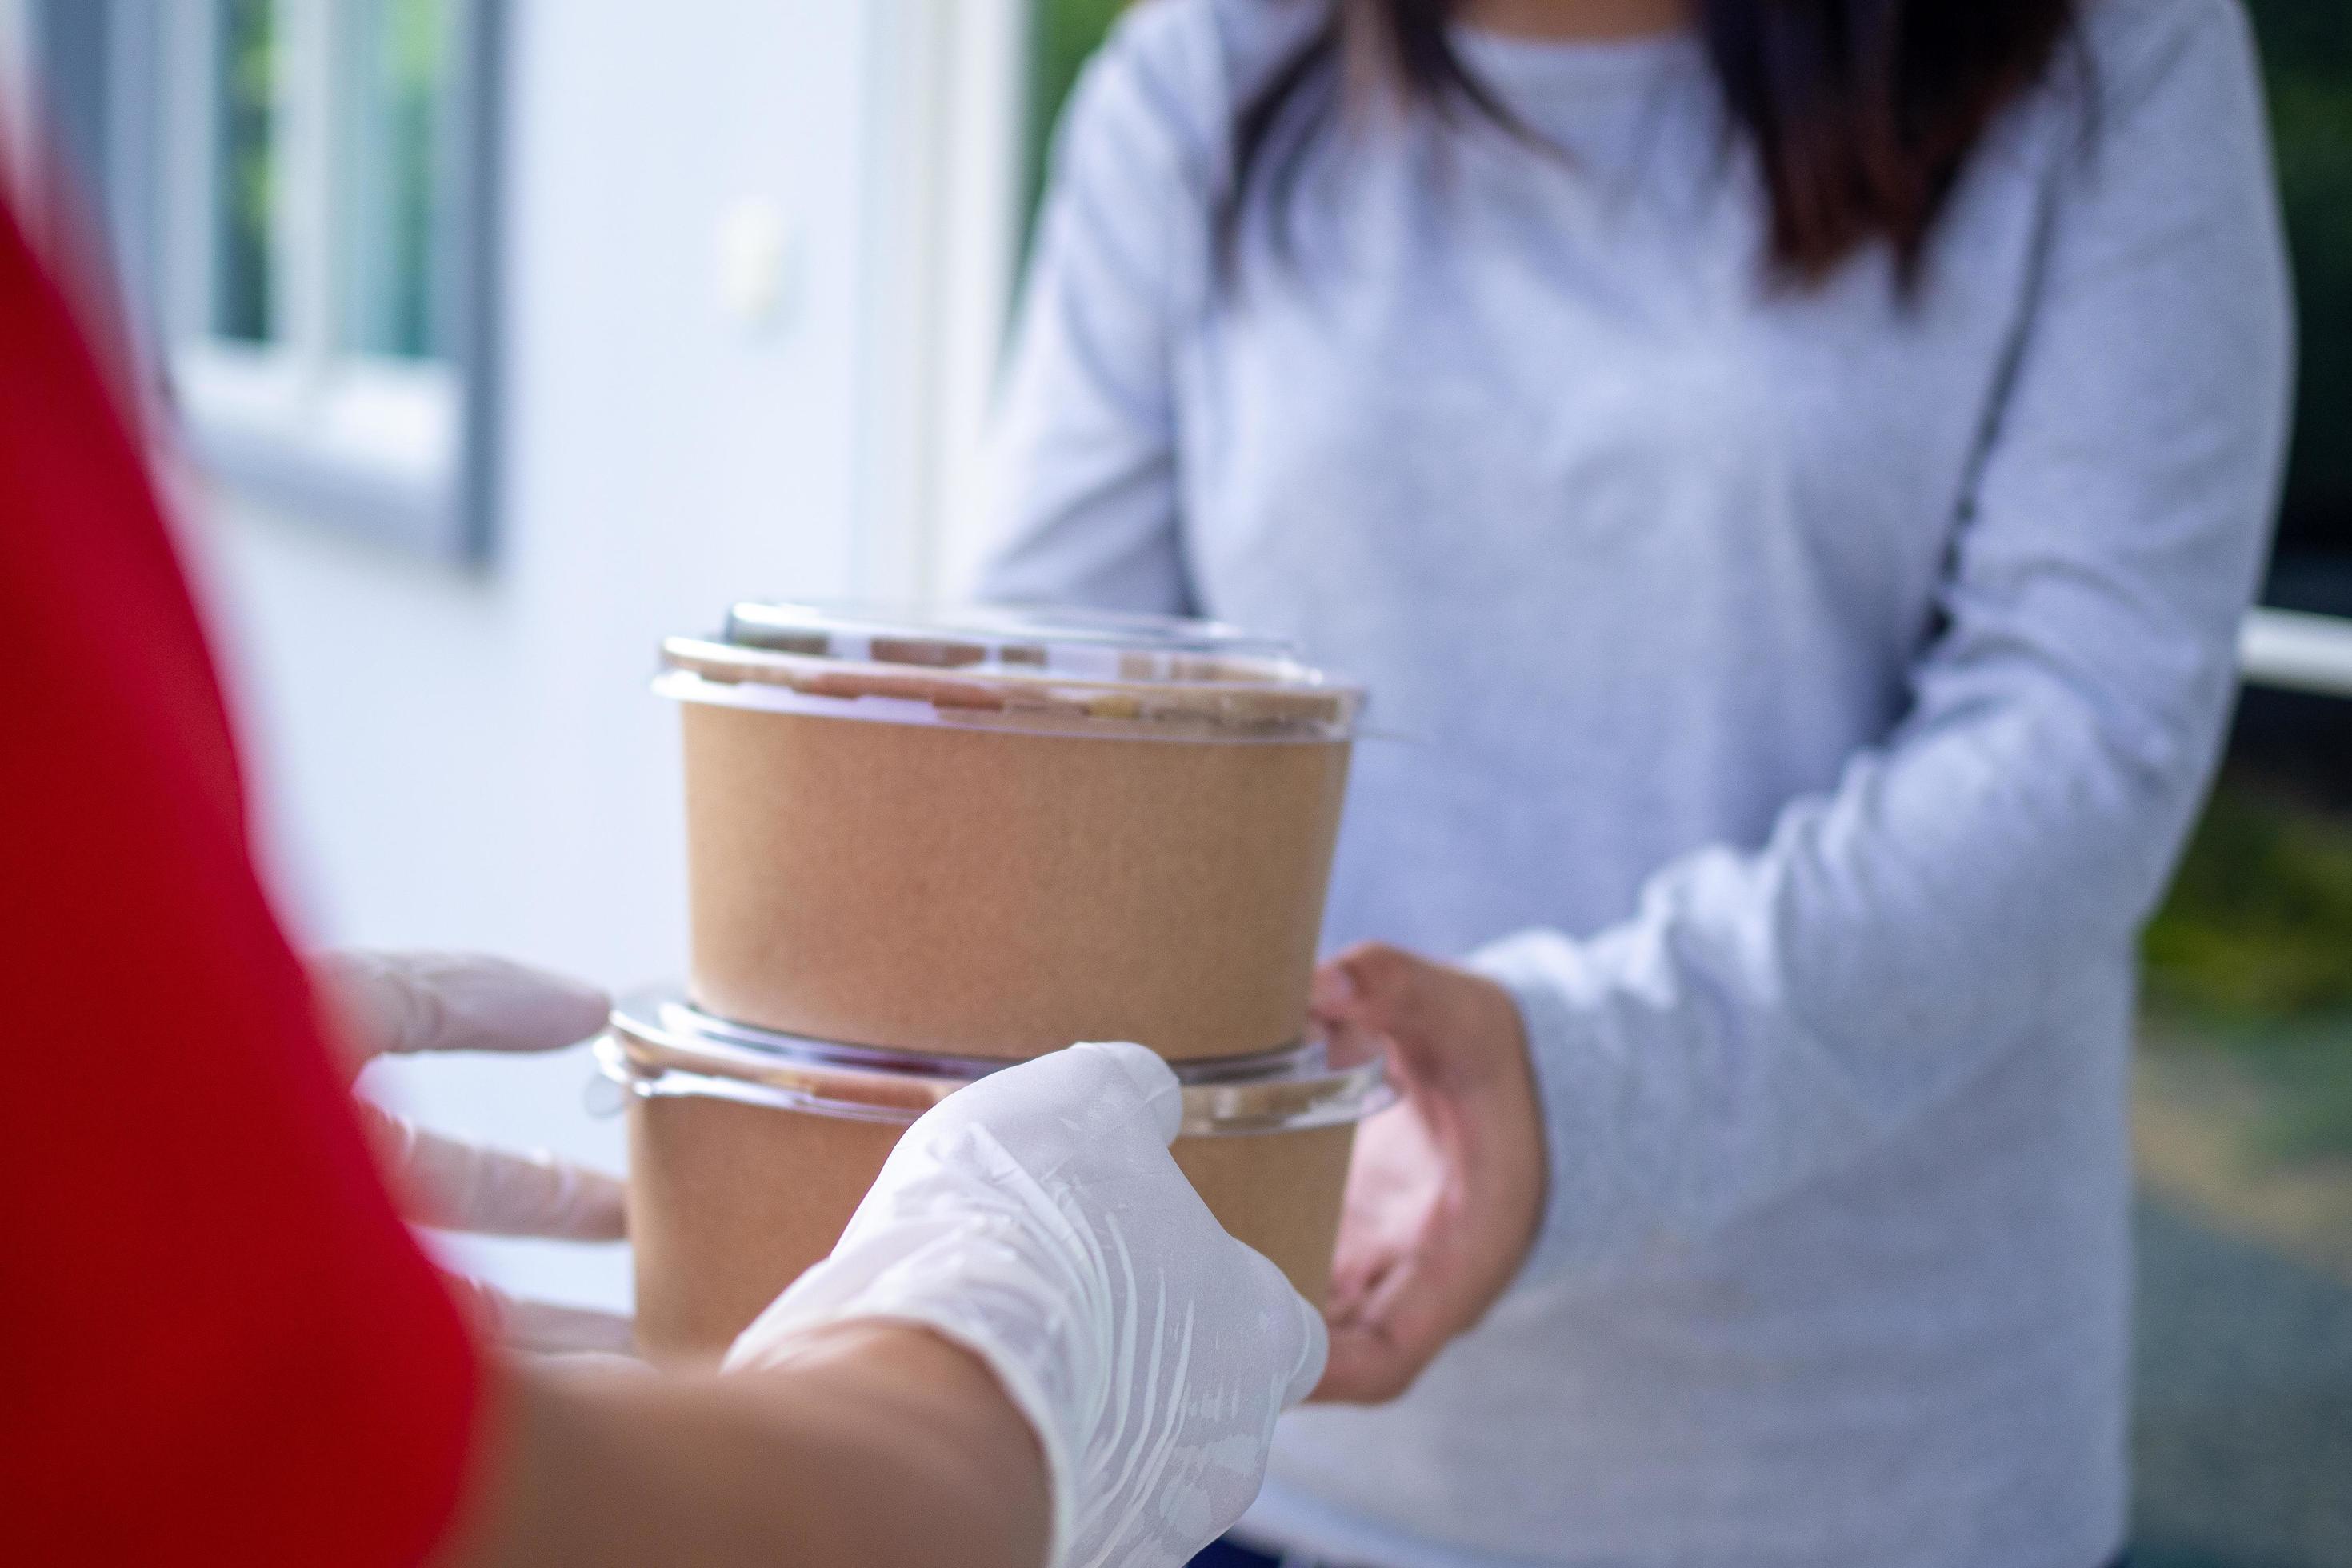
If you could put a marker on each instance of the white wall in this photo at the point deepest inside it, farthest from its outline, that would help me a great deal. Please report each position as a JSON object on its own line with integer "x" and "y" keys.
{"x": 458, "y": 760}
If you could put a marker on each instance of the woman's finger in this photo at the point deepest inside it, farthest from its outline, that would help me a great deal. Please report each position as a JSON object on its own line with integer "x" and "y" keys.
{"x": 1409, "y": 1315}
{"x": 1369, "y": 1245}
{"x": 1366, "y": 982}
{"x": 1446, "y": 1187}
{"x": 1333, "y": 996}
{"x": 493, "y": 1192}
{"x": 1402, "y": 998}
{"x": 395, "y": 1002}
{"x": 1400, "y": 1288}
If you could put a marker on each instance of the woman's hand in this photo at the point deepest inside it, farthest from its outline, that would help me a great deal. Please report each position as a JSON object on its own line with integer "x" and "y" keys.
{"x": 1447, "y": 1186}
{"x": 392, "y": 1003}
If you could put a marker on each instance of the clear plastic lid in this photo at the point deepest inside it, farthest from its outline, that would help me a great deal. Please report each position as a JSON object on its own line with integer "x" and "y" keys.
{"x": 1090, "y": 645}
{"x": 1089, "y": 670}
{"x": 659, "y": 1044}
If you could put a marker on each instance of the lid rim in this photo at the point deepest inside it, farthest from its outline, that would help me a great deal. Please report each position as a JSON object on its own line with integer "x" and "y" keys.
{"x": 685, "y": 652}
{"x": 1306, "y": 705}
{"x": 657, "y": 1044}
{"x": 1026, "y": 630}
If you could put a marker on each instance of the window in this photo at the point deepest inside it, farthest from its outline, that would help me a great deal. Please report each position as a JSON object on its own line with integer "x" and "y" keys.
{"x": 244, "y": 171}
{"x": 395, "y": 99}
{"x": 322, "y": 284}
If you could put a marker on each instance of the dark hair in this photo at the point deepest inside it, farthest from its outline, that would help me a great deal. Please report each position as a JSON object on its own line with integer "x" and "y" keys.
{"x": 1860, "y": 112}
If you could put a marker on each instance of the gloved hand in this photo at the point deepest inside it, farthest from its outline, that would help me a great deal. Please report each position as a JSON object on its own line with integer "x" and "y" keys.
{"x": 398, "y": 1003}
{"x": 1037, "y": 1219}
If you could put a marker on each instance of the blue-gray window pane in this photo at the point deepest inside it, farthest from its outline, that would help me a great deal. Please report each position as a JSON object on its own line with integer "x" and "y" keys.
{"x": 246, "y": 170}
{"x": 391, "y": 168}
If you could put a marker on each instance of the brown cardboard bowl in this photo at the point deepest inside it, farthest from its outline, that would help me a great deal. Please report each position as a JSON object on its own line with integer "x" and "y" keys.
{"x": 730, "y": 1201}
{"x": 1002, "y": 890}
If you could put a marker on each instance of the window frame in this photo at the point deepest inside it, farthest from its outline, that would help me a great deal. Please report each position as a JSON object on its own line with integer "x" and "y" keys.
{"x": 399, "y": 451}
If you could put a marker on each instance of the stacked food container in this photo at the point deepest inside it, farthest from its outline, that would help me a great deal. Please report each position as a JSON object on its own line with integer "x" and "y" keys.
{"x": 922, "y": 846}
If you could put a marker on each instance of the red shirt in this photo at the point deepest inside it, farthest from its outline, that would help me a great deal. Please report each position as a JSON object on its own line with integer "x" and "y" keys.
{"x": 217, "y": 1342}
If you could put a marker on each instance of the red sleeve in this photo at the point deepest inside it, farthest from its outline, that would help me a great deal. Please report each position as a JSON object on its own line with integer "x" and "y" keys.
{"x": 220, "y": 1345}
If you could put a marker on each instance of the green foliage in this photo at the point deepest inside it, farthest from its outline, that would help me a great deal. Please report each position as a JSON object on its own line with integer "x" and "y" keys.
{"x": 2307, "y": 61}
{"x": 2258, "y": 928}
{"x": 247, "y": 168}
{"x": 415, "y": 64}
{"x": 2251, "y": 956}
{"x": 2310, "y": 1108}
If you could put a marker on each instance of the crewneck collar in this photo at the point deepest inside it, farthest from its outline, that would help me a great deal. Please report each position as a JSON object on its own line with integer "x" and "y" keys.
{"x": 1511, "y": 61}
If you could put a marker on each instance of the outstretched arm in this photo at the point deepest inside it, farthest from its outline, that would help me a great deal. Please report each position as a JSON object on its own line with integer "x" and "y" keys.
{"x": 1033, "y": 1343}
{"x": 880, "y": 1442}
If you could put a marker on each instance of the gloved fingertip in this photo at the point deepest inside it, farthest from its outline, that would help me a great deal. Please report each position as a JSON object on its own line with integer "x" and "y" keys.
{"x": 584, "y": 1008}
{"x": 1163, "y": 1097}
{"x": 1306, "y": 1328}
{"x": 1313, "y": 1355}
{"x": 534, "y": 1007}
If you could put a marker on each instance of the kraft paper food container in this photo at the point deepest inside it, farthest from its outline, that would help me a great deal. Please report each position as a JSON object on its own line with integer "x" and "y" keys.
{"x": 990, "y": 833}
{"x": 750, "y": 1150}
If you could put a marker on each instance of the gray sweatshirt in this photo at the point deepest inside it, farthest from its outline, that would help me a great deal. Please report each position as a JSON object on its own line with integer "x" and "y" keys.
{"x": 1798, "y": 698}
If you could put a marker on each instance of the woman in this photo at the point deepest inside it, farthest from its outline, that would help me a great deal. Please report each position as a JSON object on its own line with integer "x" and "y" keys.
{"x": 1790, "y": 472}
{"x": 222, "y": 1347}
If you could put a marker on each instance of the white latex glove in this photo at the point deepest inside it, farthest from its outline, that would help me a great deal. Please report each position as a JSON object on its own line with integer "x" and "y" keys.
{"x": 1037, "y": 1219}
{"x": 400, "y": 1003}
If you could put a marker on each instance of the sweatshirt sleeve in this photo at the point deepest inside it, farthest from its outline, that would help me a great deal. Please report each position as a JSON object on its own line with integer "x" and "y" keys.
{"x": 1082, "y": 487}
{"x": 1765, "y": 1016}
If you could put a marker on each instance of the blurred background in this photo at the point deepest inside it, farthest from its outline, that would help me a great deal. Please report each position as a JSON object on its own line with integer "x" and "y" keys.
{"x": 495, "y": 338}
